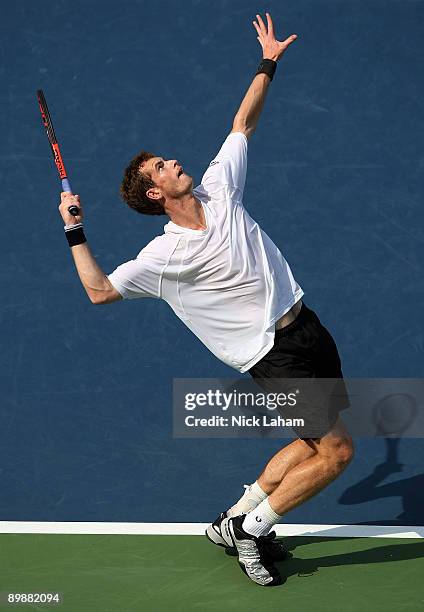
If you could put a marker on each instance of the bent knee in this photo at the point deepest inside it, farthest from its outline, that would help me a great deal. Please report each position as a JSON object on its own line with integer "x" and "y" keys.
{"x": 338, "y": 450}
{"x": 343, "y": 451}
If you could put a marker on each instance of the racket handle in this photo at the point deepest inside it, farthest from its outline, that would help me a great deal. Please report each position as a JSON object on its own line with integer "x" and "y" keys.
{"x": 66, "y": 186}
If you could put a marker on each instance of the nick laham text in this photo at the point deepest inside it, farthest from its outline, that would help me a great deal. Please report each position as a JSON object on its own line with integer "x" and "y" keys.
{"x": 243, "y": 421}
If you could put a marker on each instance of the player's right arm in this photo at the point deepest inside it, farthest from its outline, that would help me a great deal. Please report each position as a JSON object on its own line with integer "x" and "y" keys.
{"x": 95, "y": 282}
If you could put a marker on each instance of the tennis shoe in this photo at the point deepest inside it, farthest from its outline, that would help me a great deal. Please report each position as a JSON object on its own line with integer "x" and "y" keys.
{"x": 252, "y": 556}
{"x": 213, "y": 532}
{"x": 218, "y": 533}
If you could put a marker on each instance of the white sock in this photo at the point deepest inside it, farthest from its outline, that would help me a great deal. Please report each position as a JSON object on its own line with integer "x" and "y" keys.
{"x": 260, "y": 521}
{"x": 251, "y": 498}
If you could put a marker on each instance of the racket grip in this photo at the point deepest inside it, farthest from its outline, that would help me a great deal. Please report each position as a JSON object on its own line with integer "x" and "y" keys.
{"x": 66, "y": 186}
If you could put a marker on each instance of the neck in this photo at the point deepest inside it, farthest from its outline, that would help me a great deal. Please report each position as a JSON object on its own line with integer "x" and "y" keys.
{"x": 187, "y": 211}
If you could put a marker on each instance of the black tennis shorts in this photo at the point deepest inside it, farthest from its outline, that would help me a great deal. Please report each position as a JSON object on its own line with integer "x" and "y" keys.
{"x": 304, "y": 361}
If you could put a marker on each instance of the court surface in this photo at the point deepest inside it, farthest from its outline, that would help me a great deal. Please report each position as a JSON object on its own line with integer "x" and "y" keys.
{"x": 115, "y": 573}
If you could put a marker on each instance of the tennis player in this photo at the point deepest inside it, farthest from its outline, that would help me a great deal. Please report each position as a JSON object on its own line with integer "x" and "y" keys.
{"x": 229, "y": 283}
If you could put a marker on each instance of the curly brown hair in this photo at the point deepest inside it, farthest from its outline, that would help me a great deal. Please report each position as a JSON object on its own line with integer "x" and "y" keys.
{"x": 135, "y": 184}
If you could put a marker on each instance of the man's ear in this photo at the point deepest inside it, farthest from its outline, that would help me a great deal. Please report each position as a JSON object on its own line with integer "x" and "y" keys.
{"x": 154, "y": 193}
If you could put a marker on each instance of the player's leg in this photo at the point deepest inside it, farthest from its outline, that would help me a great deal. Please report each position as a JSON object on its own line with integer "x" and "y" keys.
{"x": 272, "y": 475}
{"x": 332, "y": 453}
{"x": 249, "y": 534}
{"x": 304, "y": 349}
{"x": 278, "y": 363}
{"x": 274, "y": 472}
{"x": 282, "y": 462}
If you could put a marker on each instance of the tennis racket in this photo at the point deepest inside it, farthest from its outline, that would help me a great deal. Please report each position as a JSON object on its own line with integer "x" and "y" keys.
{"x": 394, "y": 413}
{"x": 66, "y": 186}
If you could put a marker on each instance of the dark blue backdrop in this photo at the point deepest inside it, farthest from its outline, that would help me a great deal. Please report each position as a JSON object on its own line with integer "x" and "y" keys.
{"x": 335, "y": 178}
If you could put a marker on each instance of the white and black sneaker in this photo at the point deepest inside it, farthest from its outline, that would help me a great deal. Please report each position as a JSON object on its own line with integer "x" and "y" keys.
{"x": 252, "y": 556}
{"x": 218, "y": 533}
{"x": 213, "y": 532}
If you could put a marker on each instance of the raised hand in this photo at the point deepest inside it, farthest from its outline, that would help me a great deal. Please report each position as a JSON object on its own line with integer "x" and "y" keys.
{"x": 271, "y": 47}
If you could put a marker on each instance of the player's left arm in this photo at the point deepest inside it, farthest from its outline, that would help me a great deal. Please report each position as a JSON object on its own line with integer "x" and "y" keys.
{"x": 251, "y": 107}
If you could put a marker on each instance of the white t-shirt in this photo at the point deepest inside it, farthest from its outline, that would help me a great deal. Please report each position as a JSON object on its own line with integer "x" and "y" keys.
{"x": 228, "y": 283}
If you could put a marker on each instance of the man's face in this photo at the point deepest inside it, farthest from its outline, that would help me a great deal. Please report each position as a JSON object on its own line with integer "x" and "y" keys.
{"x": 168, "y": 176}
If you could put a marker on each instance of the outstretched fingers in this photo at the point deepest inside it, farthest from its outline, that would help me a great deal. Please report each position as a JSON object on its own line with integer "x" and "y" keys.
{"x": 266, "y": 37}
{"x": 289, "y": 40}
{"x": 257, "y": 28}
{"x": 262, "y": 26}
{"x": 270, "y": 25}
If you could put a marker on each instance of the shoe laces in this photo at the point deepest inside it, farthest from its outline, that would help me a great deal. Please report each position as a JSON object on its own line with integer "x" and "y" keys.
{"x": 268, "y": 541}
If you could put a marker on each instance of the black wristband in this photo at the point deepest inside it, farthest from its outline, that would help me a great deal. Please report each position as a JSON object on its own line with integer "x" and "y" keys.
{"x": 267, "y": 66}
{"x": 75, "y": 235}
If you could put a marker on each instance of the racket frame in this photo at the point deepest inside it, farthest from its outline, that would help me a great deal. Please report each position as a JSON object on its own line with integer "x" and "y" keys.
{"x": 57, "y": 156}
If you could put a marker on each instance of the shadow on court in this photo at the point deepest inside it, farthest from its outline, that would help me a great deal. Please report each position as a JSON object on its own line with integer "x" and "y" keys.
{"x": 387, "y": 553}
{"x": 370, "y": 488}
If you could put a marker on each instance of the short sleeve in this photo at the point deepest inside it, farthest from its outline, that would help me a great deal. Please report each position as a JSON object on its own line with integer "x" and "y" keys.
{"x": 141, "y": 277}
{"x": 229, "y": 167}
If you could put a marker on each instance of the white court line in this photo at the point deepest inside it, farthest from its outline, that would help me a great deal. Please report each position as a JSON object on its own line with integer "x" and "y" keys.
{"x": 288, "y": 529}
